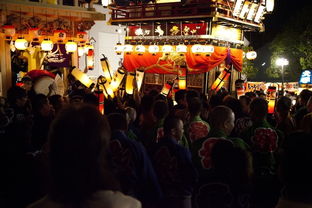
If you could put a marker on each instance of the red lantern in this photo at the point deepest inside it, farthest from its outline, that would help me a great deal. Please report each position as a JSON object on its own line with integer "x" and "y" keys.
{"x": 82, "y": 36}
{"x": 271, "y": 96}
{"x": 59, "y": 35}
{"x": 9, "y": 31}
{"x": 225, "y": 74}
{"x": 90, "y": 59}
{"x": 100, "y": 96}
{"x": 166, "y": 88}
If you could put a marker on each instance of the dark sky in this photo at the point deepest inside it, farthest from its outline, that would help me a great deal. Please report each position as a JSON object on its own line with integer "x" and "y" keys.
{"x": 274, "y": 23}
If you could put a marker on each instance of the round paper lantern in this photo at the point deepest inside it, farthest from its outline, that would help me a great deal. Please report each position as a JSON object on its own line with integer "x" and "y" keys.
{"x": 46, "y": 45}
{"x": 153, "y": 49}
{"x": 140, "y": 49}
{"x": 119, "y": 48}
{"x": 70, "y": 46}
{"x": 197, "y": 49}
{"x": 208, "y": 49}
{"x": 128, "y": 49}
{"x": 251, "y": 55}
{"x": 21, "y": 44}
{"x": 181, "y": 49}
{"x": 167, "y": 49}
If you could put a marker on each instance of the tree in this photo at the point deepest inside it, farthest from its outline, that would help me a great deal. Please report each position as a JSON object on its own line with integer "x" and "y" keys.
{"x": 248, "y": 66}
{"x": 293, "y": 43}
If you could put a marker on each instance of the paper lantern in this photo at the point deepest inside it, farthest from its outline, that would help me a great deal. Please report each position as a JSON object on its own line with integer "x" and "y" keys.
{"x": 9, "y": 31}
{"x": 82, "y": 77}
{"x": 251, "y": 55}
{"x": 82, "y": 36}
{"x": 106, "y": 68}
{"x": 119, "y": 75}
{"x": 129, "y": 83}
{"x": 87, "y": 47}
{"x": 270, "y": 97}
{"x": 182, "y": 82}
{"x": 167, "y": 49}
{"x": 128, "y": 49}
{"x": 118, "y": 48}
{"x": 80, "y": 51}
{"x": 269, "y": 5}
{"x": 166, "y": 88}
{"x": 240, "y": 92}
{"x": 59, "y": 35}
{"x": 47, "y": 45}
{"x": 140, "y": 49}
{"x": 219, "y": 82}
{"x": 197, "y": 49}
{"x": 100, "y": 96}
{"x": 181, "y": 49}
{"x": 34, "y": 34}
{"x": 139, "y": 77}
{"x": 70, "y": 46}
{"x": 153, "y": 49}
{"x": 90, "y": 59}
{"x": 108, "y": 90}
{"x": 21, "y": 44}
{"x": 208, "y": 49}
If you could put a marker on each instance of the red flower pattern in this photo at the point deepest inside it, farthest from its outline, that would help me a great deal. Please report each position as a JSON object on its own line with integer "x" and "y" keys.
{"x": 198, "y": 130}
{"x": 265, "y": 140}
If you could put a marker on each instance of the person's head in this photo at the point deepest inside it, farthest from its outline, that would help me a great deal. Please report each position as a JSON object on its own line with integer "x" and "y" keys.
{"x": 195, "y": 106}
{"x": 190, "y": 95}
{"x": 27, "y": 83}
{"x": 180, "y": 98}
{"x": 222, "y": 118}
{"x": 295, "y": 171}
{"x": 17, "y": 96}
{"x": 239, "y": 83}
{"x": 245, "y": 103}
{"x": 309, "y": 104}
{"x": 41, "y": 105}
{"x": 147, "y": 104}
{"x": 117, "y": 122}
{"x": 283, "y": 105}
{"x": 304, "y": 96}
{"x": 160, "y": 109}
{"x": 57, "y": 101}
{"x": 173, "y": 127}
{"x": 258, "y": 109}
{"x": 78, "y": 139}
{"x": 91, "y": 99}
{"x": 131, "y": 114}
{"x": 251, "y": 95}
{"x": 234, "y": 104}
{"x": 77, "y": 96}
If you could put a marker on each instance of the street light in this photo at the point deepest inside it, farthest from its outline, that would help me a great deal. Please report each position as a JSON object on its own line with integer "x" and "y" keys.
{"x": 282, "y": 62}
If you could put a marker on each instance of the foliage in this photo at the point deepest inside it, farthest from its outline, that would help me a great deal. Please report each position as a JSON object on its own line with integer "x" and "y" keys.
{"x": 295, "y": 44}
{"x": 248, "y": 66}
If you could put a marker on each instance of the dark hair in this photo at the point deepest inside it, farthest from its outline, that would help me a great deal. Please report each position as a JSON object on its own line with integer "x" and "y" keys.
{"x": 180, "y": 95}
{"x": 258, "y": 108}
{"x": 246, "y": 98}
{"x": 190, "y": 95}
{"x": 26, "y": 79}
{"x": 219, "y": 115}
{"x": 38, "y": 102}
{"x": 234, "y": 104}
{"x": 251, "y": 95}
{"x": 283, "y": 104}
{"x": 147, "y": 103}
{"x": 91, "y": 99}
{"x": 78, "y": 138}
{"x": 171, "y": 122}
{"x": 195, "y": 106}
{"x": 117, "y": 121}
{"x": 160, "y": 109}
{"x": 15, "y": 93}
{"x": 305, "y": 95}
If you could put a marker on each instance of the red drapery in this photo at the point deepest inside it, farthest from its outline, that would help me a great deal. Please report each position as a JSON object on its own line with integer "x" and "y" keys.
{"x": 196, "y": 63}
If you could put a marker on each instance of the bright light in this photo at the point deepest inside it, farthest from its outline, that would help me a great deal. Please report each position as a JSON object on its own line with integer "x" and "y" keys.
{"x": 259, "y": 14}
{"x": 167, "y": 49}
{"x": 47, "y": 45}
{"x": 251, "y": 55}
{"x": 181, "y": 48}
{"x": 237, "y": 7}
{"x": 252, "y": 11}
{"x": 71, "y": 46}
{"x": 153, "y": 49}
{"x": 269, "y": 5}
{"x": 118, "y": 48}
{"x": 244, "y": 10}
{"x": 140, "y": 49}
{"x": 128, "y": 48}
{"x": 197, "y": 49}
{"x": 281, "y": 62}
{"x": 263, "y": 64}
{"x": 21, "y": 44}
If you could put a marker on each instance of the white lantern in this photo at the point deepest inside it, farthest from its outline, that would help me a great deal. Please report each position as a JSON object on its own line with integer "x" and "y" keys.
{"x": 251, "y": 55}
{"x": 208, "y": 49}
{"x": 128, "y": 49}
{"x": 197, "y": 49}
{"x": 80, "y": 51}
{"x": 82, "y": 77}
{"x": 119, "y": 48}
{"x": 269, "y": 4}
{"x": 181, "y": 48}
{"x": 153, "y": 49}
{"x": 21, "y": 44}
{"x": 47, "y": 45}
{"x": 167, "y": 49}
{"x": 70, "y": 46}
{"x": 140, "y": 49}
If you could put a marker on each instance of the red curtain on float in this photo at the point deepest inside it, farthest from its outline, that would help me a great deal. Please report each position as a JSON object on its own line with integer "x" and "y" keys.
{"x": 196, "y": 63}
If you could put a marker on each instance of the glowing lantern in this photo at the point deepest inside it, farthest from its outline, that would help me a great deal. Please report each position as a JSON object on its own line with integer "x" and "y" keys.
{"x": 181, "y": 49}
{"x": 106, "y": 68}
{"x": 109, "y": 90}
{"x": 271, "y": 96}
{"x": 251, "y": 55}
{"x": 208, "y": 49}
{"x": 167, "y": 49}
{"x": 9, "y": 31}
{"x": 269, "y": 5}
{"x": 153, "y": 49}
{"x": 34, "y": 34}
{"x": 82, "y": 36}
{"x": 240, "y": 92}
{"x": 119, "y": 75}
{"x": 47, "y": 45}
{"x": 129, "y": 83}
{"x": 59, "y": 35}
{"x": 182, "y": 82}
{"x": 219, "y": 82}
{"x": 80, "y": 51}
{"x": 140, "y": 49}
{"x": 128, "y": 49}
{"x": 70, "y": 46}
{"x": 197, "y": 49}
{"x": 21, "y": 44}
{"x": 139, "y": 77}
{"x": 118, "y": 48}
{"x": 82, "y": 77}
{"x": 166, "y": 88}
{"x": 90, "y": 59}
{"x": 87, "y": 47}
{"x": 100, "y": 96}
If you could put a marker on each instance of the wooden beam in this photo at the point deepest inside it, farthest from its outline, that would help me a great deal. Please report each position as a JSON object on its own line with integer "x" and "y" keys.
{"x": 5, "y": 66}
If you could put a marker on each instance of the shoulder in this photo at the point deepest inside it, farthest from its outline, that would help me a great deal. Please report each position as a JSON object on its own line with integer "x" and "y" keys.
{"x": 46, "y": 203}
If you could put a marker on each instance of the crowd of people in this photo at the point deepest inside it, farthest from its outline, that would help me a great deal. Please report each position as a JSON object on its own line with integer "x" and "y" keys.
{"x": 152, "y": 151}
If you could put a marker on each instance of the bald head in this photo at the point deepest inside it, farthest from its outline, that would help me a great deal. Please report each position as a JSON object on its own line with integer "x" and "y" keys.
{"x": 222, "y": 118}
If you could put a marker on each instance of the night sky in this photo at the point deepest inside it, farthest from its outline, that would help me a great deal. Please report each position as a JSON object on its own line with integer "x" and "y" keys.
{"x": 274, "y": 23}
